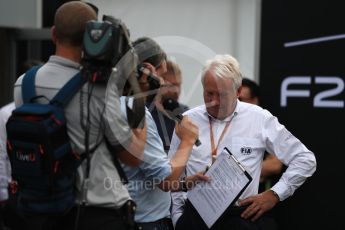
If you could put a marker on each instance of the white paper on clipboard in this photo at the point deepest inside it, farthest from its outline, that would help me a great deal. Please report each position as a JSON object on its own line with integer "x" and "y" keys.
{"x": 228, "y": 180}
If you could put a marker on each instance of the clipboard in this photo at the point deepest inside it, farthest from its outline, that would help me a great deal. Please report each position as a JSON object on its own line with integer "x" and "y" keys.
{"x": 245, "y": 173}
{"x": 229, "y": 179}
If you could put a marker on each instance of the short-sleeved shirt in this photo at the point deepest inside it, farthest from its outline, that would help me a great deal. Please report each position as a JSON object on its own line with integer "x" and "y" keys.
{"x": 104, "y": 187}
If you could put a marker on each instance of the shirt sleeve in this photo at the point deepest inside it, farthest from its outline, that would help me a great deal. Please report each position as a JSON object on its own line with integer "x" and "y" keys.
{"x": 17, "y": 93}
{"x": 3, "y": 121}
{"x": 155, "y": 165}
{"x": 177, "y": 208}
{"x": 117, "y": 129}
{"x": 178, "y": 198}
{"x": 292, "y": 152}
{"x": 175, "y": 142}
{"x": 5, "y": 168}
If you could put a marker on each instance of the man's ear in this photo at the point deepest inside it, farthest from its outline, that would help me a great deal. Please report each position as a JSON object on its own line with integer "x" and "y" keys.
{"x": 53, "y": 34}
{"x": 239, "y": 91}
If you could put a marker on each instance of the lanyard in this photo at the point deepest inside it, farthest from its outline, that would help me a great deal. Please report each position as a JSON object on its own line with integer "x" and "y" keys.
{"x": 213, "y": 147}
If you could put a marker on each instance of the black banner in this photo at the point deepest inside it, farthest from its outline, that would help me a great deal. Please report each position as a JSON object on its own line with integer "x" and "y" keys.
{"x": 302, "y": 72}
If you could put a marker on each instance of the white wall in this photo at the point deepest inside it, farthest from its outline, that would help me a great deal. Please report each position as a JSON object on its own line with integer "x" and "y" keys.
{"x": 191, "y": 31}
{"x": 21, "y": 13}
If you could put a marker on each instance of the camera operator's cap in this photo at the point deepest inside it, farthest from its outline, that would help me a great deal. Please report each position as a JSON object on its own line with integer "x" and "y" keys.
{"x": 148, "y": 50}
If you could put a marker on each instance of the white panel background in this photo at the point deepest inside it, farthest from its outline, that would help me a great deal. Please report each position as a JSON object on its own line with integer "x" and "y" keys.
{"x": 21, "y": 13}
{"x": 191, "y": 31}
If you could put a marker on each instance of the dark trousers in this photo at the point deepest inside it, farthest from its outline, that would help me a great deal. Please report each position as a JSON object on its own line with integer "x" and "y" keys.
{"x": 32, "y": 222}
{"x": 162, "y": 224}
{"x": 231, "y": 219}
{"x": 90, "y": 218}
{"x": 2, "y": 222}
{"x": 93, "y": 218}
{"x": 10, "y": 217}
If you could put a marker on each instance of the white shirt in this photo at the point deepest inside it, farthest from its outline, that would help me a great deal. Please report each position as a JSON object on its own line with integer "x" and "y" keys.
{"x": 5, "y": 167}
{"x": 5, "y": 113}
{"x": 252, "y": 131}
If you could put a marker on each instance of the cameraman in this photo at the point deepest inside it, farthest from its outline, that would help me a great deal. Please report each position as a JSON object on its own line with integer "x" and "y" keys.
{"x": 104, "y": 206}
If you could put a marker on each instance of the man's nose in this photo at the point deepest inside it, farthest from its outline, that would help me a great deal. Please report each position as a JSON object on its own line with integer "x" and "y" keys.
{"x": 215, "y": 100}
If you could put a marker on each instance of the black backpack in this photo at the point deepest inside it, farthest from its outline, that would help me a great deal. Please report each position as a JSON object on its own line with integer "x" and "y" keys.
{"x": 42, "y": 160}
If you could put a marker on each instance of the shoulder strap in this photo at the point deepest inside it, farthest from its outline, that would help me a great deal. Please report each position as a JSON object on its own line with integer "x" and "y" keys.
{"x": 28, "y": 84}
{"x": 64, "y": 95}
{"x": 116, "y": 162}
{"x": 67, "y": 92}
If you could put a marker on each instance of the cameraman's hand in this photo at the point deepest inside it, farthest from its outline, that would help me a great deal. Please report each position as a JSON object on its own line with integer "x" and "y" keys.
{"x": 187, "y": 131}
{"x": 144, "y": 79}
{"x": 149, "y": 69}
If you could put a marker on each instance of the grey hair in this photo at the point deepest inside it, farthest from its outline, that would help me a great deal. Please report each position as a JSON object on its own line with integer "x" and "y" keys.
{"x": 224, "y": 66}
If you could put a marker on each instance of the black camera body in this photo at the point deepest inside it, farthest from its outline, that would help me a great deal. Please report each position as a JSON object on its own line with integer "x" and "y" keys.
{"x": 104, "y": 44}
{"x": 152, "y": 79}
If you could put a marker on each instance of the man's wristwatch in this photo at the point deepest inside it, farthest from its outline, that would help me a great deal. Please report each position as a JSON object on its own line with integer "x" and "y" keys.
{"x": 183, "y": 185}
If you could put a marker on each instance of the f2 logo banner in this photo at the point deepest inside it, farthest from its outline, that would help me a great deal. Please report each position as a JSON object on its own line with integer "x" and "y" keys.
{"x": 321, "y": 99}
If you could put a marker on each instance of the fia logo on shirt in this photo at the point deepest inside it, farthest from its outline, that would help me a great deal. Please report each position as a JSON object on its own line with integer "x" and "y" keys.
{"x": 246, "y": 150}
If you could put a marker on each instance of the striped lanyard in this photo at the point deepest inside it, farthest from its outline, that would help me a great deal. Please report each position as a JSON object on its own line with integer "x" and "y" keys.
{"x": 213, "y": 146}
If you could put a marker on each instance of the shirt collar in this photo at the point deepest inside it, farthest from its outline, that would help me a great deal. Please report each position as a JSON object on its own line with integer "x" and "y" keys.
{"x": 64, "y": 61}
